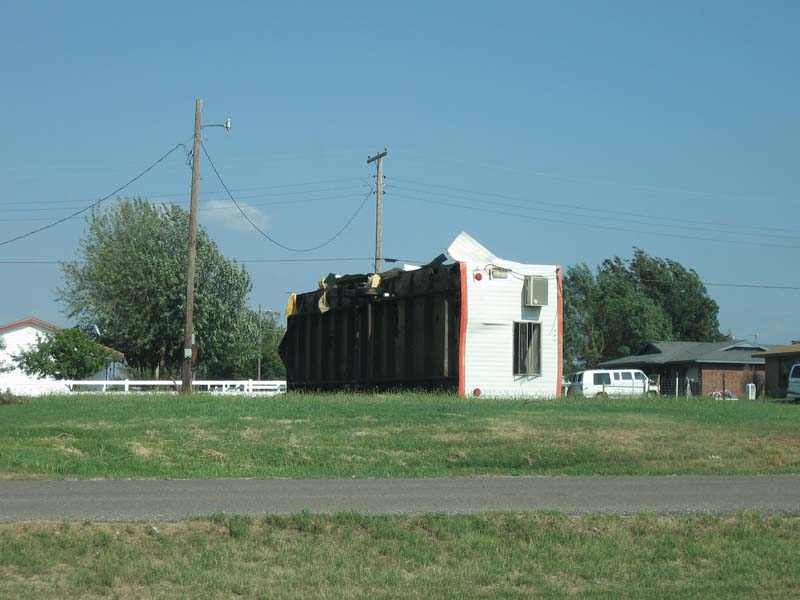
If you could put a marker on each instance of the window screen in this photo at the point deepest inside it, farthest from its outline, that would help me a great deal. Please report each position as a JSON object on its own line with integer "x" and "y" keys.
{"x": 527, "y": 348}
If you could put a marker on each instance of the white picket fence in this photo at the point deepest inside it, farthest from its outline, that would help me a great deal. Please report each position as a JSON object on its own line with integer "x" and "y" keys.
{"x": 249, "y": 386}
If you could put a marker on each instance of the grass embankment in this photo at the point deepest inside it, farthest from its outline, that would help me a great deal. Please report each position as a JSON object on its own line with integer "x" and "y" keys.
{"x": 348, "y": 555}
{"x": 403, "y": 435}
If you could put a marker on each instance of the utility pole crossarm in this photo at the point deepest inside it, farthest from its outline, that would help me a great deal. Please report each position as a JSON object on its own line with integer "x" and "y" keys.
{"x": 378, "y": 156}
{"x": 378, "y": 205}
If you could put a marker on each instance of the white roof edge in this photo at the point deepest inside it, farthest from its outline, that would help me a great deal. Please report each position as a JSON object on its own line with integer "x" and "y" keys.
{"x": 467, "y": 249}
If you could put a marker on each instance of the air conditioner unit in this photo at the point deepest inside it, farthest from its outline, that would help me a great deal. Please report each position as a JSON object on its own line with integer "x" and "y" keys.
{"x": 535, "y": 291}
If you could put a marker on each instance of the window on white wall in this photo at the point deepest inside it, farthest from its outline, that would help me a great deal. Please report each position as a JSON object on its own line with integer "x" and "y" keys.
{"x": 527, "y": 348}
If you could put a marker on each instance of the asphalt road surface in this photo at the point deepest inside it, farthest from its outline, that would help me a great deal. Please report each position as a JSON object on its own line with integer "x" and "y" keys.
{"x": 173, "y": 500}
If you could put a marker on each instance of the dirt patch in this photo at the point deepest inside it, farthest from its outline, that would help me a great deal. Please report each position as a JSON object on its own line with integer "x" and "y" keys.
{"x": 250, "y": 433}
{"x": 510, "y": 429}
{"x": 140, "y": 450}
{"x": 204, "y": 434}
{"x": 368, "y": 433}
{"x": 215, "y": 454}
{"x": 64, "y": 447}
{"x": 97, "y": 425}
{"x": 297, "y": 454}
{"x": 789, "y": 440}
{"x": 626, "y": 439}
{"x": 351, "y": 458}
{"x": 287, "y": 421}
{"x": 449, "y": 437}
{"x": 458, "y": 456}
{"x": 567, "y": 582}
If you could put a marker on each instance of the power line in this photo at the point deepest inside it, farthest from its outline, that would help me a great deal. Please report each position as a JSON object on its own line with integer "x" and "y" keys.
{"x": 586, "y": 180}
{"x": 259, "y": 230}
{"x": 654, "y": 221}
{"x": 769, "y": 229}
{"x": 97, "y": 203}
{"x": 599, "y": 226}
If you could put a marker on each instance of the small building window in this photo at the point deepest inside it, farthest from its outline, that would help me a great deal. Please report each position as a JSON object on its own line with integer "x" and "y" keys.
{"x": 527, "y": 348}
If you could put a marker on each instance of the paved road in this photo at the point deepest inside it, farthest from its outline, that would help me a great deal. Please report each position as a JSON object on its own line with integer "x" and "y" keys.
{"x": 171, "y": 500}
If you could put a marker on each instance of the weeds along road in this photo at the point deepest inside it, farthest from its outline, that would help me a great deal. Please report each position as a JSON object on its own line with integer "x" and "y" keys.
{"x": 173, "y": 500}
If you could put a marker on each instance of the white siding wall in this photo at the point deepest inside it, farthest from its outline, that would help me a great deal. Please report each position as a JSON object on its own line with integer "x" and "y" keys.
{"x": 493, "y": 307}
{"x": 15, "y": 380}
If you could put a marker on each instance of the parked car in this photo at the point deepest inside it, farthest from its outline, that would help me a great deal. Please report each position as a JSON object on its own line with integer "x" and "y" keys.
{"x": 793, "y": 390}
{"x": 610, "y": 382}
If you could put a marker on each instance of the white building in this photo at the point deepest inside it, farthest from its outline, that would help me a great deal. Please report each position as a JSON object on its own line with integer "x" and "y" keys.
{"x": 511, "y": 324}
{"x": 23, "y": 335}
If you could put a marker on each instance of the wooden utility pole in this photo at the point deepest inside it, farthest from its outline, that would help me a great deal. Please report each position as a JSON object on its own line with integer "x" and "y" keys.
{"x": 186, "y": 385}
{"x": 260, "y": 343}
{"x": 378, "y": 206}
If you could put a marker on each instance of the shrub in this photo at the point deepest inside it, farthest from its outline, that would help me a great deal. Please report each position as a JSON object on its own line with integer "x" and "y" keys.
{"x": 8, "y": 397}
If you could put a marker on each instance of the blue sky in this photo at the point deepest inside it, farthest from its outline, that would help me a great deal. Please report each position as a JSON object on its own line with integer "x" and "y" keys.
{"x": 554, "y": 133}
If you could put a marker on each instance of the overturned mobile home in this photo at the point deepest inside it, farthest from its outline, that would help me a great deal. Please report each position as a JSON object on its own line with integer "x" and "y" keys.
{"x": 481, "y": 325}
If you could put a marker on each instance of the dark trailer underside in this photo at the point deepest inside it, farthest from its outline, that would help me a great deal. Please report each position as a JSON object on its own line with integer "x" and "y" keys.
{"x": 401, "y": 334}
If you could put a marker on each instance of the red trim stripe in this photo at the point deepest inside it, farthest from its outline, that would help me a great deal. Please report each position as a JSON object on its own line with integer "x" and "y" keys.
{"x": 560, "y": 332}
{"x": 462, "y": 334}
{"x": 29, "y": 321}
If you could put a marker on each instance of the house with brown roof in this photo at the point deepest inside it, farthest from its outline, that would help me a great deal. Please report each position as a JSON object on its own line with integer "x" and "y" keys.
{"x": 779, "y": 361}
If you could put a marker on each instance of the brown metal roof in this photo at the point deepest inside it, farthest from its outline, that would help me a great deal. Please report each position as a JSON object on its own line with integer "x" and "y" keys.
{"x": 780, "y": 351}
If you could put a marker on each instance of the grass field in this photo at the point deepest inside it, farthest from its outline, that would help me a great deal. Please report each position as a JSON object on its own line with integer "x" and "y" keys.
{"x": 403, "y": 435}
{"x": 348, "y": 555}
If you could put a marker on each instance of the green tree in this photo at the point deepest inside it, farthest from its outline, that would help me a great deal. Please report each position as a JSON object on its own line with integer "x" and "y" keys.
{"x": 3, "y": 367}
{"x": 681, "y": 295}
{"x": 66, "y": 354}
{"x": 271, "y": 334}
{"x": 131, "y": 283}
{"x": 258, "y": 336}
{"x": 584, "y": 342}
{"x": 628, "y": 303}
{"x": 606, "y": 316}
{"x": 627, "y": 317}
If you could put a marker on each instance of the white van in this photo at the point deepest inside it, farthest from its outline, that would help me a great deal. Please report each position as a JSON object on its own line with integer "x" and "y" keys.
{"x": 610, "y": 382}
{"x": 793, "y": 390}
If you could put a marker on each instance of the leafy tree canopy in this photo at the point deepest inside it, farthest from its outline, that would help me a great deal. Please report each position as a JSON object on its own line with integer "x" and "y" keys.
{"x": 258, "y": 337}
{"x": 630, "y": 302}
{"x": 131, "y": 283}
{"x": 66, "y": 354}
